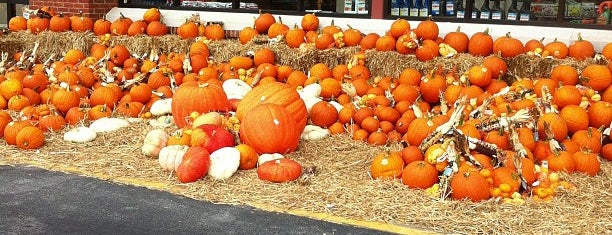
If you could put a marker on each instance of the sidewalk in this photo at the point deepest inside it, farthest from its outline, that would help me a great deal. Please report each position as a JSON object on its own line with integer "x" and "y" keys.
{"x": 37, "y": 201}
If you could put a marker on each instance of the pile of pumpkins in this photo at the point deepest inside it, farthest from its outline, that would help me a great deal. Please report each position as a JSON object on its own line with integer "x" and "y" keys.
{"x": 249, "y": 111}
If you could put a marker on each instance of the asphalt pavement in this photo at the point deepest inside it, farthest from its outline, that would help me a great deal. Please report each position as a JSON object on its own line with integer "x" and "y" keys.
{"x": 38, "y": 201}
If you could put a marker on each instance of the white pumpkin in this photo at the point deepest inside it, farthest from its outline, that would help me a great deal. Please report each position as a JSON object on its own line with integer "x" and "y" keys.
{"x": 161, "y": 107}
{"x": 336, "y": 105}
{"x": 106, "y": 124}
{"x": 80, "y": 134}
{"x": 171, "y": 156}
{"x": 312, "y": 90}
{"x": 154, "y": 141}
{"x": 224, "y": 163}
{"x": 268, "y": 157}
{"x": 311, "y": 102}
{"x": 214, "y": 118}
{"x": 162, "y": 122}
{"x": 313, "y": 132}
{"x": 236, "y": 88}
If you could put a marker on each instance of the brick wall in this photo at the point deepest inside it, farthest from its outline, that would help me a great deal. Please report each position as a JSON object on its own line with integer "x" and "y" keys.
{"x": 94, "y": 9}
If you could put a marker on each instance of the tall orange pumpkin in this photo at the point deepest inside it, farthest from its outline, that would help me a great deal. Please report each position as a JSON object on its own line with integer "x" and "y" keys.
{"x": 197, "y": 96}
{"x": 270, "y": 128}
{"x": 277, "y": 93}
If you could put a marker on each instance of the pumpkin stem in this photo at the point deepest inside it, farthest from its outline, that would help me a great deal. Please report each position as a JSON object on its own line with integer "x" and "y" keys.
{"x": 486, "y": 31}
{"x": 280, "y": 20}
{"x": 580, "y": 37}
{"x": 458, "y": 29}
{"x": 508, "y": 35}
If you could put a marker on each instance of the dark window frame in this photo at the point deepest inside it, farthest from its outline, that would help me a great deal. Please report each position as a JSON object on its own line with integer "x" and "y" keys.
{"x": 558, "y": 22}
{"x": 11, "y": 7}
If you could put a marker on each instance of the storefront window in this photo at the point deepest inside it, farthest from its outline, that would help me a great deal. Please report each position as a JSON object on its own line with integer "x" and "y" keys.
{"x": 550, "y": 12}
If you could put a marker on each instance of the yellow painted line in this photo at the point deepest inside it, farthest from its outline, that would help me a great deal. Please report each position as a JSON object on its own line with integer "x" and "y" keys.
{"x": 298, "y": 212}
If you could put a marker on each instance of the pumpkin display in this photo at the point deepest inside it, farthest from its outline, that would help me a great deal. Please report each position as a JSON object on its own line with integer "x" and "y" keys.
{"x": 279, "y": 170}
{"x": 277, "y": 105}
{"x": 200, "y": 97}
{"x": 269, "y": 128}
{"x": 194, "y": 165}
{"x": 224, "y": 162}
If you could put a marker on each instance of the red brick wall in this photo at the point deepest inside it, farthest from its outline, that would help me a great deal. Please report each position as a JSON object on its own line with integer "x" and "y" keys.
{"x": 91, "y": 8}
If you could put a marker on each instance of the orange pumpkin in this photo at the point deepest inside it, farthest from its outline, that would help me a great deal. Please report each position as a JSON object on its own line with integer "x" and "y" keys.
{"x": 387, "y": 165}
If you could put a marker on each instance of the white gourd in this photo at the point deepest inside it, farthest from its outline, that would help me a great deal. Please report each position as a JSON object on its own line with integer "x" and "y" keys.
{"x": 162, "y": 122}
{"x": 171, "y": 156}
{"x": 336, "y": 105}
{"x": 224, "y": 163}
{"x": 313, "y": 132}
{"x": 154, "y": 141}
{"x": 311, "y": 102}
{"x": 81, "y": 134}
{"x": 106, "y": 124}
{"x": 268, "y": 157}
{"x": 236, "y": 88}
{"x": 310, "y": 91}
{"x": 161, "y": 107}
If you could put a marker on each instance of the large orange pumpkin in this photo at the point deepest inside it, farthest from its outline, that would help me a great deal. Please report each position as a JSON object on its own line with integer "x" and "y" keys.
{"x": 270, "y": 128}
{"x": 277, "y": 93}
{"x": 197, "y": 96}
